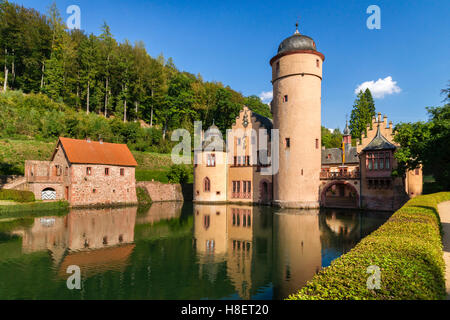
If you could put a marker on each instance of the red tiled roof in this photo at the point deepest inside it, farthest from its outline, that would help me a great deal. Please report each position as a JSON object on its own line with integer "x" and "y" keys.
{"x": 94, "y": 152}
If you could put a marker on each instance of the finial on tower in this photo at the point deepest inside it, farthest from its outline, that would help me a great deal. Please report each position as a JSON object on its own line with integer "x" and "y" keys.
{"x": 296, "y": 28}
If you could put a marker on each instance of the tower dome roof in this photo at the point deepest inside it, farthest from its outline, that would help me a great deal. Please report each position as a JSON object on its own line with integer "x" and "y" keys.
{"x": 297, "y": 42}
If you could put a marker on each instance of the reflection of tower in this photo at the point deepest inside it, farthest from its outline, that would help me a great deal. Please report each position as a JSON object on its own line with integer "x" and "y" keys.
{"x": 210, "y": 232}
{"x": 296, "y": 108}
{"x": 297, "y": 250}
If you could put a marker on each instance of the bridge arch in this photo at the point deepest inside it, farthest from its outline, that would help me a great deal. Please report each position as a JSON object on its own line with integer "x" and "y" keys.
{"x": 339, "y": 194}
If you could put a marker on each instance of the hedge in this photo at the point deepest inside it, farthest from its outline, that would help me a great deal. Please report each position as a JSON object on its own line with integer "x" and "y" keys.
{"x": 408, "y": 251}
{"x": 16, "y": 195}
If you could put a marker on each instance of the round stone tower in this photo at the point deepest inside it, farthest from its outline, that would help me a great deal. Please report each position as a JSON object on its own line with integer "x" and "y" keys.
{"x": 296, "y": 108}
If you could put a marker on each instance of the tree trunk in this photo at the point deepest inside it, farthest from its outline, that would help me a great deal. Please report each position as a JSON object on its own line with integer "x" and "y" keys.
{"x": 87, "y": 100}
{"x": 151, "y": 118}
{"x": 42, "y": 74}
{"x": 125, "y": 110}
{"x": 5, "y": 83}
{"x": 6, "y": 79}
{"x": 151, "y": 114}
{"x": 136, "y": 110}
{"x": 106, "y": 95}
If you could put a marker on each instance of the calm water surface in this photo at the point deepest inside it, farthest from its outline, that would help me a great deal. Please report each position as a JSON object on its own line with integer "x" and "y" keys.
{"x": 175, "y": 251}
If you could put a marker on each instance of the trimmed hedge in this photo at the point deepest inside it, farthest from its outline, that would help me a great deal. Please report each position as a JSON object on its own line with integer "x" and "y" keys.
{"x": 16, "y": 195}
{"x": 408, "y": 251}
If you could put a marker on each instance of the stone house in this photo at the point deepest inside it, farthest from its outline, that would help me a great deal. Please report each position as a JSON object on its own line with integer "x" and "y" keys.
{"x": 84, "y": 172}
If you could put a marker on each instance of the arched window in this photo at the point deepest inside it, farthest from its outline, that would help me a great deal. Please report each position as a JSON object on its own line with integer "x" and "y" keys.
{"x": 207, "y": 184}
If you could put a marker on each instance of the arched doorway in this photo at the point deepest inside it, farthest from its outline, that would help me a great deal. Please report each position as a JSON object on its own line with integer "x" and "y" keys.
{"x": 339, "y": 194}
{"x": 265, "y": 191}
{"x": 48, "y": 194}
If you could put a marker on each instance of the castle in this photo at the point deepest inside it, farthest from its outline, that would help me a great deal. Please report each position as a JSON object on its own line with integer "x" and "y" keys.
{"x": 307, "y": 176}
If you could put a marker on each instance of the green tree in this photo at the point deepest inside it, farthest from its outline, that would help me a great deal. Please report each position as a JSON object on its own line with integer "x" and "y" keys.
{"x": 362, "y": 113}
{"x": 256, "y": 105}
{"x": 426, "y": 143}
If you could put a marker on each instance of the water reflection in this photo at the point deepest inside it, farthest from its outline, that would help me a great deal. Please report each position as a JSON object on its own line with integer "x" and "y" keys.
{"x": 176, "y": 251}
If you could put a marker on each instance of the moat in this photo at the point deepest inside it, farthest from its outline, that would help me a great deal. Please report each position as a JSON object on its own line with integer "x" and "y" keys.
{"x": 175, "y": 250}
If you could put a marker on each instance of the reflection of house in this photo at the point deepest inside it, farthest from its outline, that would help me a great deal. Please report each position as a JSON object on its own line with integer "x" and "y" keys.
{"x": 95, "y": 240}
{"x": 84, "y": 172}
{"x": 234, "y": 234}
{"x": 307, "y": 176}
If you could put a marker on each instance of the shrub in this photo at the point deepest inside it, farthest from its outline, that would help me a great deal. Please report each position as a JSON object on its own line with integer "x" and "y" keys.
{"x": 408, "y": 251}
{"x": 142, "y": 196}
{"x": 16, "y": 195}
{"x": 178, "y": 173}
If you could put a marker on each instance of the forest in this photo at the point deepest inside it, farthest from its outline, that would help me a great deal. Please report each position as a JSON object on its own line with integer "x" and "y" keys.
{"x": 98, "y": 74}
{"x": 61, "y": 82}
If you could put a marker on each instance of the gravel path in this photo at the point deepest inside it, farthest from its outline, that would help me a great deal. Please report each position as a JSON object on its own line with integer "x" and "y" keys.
{"x": 444, "y": 213}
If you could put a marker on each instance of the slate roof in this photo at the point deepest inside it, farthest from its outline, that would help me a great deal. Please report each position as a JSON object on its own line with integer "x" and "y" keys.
{"x": 95, "y": 152}
{"x": 379, "y": 143}
{"x": 351, "y": 156}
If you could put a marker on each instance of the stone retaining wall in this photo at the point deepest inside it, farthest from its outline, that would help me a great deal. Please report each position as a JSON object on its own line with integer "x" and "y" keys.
{"x": 159, "y": 191}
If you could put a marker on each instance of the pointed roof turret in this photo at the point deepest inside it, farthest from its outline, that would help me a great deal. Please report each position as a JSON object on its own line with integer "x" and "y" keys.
{"x": 379, "y": 143}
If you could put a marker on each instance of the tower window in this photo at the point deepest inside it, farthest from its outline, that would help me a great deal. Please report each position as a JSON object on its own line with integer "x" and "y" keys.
{"x": 288, "y": 142}
{"x": 317, "y": 63}
{"x": 277, "y": 70}
{"x": 285, "y": 98}
{"x": 317, "y": 143}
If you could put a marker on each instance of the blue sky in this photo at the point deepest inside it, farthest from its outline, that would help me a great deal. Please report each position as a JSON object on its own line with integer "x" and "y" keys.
{"x": 233, "y": 41}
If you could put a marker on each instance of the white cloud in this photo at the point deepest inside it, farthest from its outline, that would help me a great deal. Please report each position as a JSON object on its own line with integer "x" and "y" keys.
{"x": 380, "y": 88}
{"x": 266, "y": 96}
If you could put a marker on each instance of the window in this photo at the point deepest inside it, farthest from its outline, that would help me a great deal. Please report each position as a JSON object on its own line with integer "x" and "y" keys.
{"x": 206, "y": 221}
{"x": 207, "y": 184}
{"x": 88, "y": 171}
{"x": 288, "y": 142}
{"x": 285, "y": 98}
{"x": 317, "y": 143}
{"x": 235, "y": 161}
{"x": 317, "y": 63}
{"x": 247, "y": 160}
{"x": 211, "y": 160}
{"x": 369, "y": 162}
{"x": 238, "y": 141}
{"x": 417, "y": 171}
{"x": 106, "y": 171}
{"x": 122, "y": 171}
{"x": 277, "y": 70}
{"x": 94, "y": 190}
{"x": 66, "y": 172}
